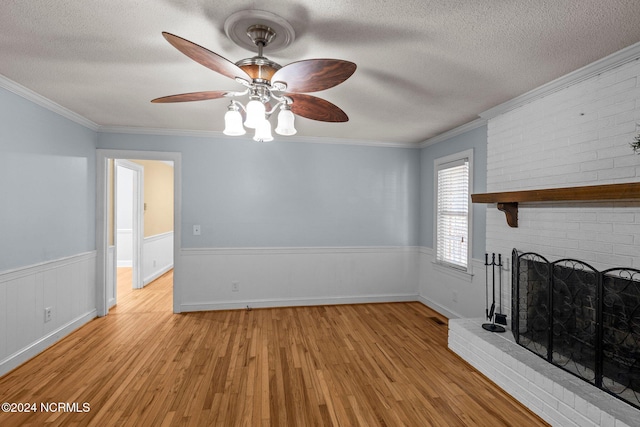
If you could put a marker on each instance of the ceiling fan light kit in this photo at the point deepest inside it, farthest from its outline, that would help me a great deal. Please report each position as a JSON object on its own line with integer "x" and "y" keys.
{"x": 233, "y": 122}
{"x": 264, "y": 80}
{"x": 285, "y": 121}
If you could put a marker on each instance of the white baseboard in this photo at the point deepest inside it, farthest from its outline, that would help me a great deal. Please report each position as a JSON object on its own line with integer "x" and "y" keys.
{"x": 156, "y": 274}
{"x": 233, "y": 305}
{"x": 439, "y": 308}
{"x": 36, "y": 347}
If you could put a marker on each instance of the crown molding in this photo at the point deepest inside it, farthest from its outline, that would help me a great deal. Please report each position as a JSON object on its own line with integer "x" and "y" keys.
{"x": 454, "y": 132}
{"x": 40, "y": 100}
{"x": 616, "y": 59}
{"x": 347, "y": 141}
{"x": 134, "y": 130}
{"x": 220, "y": 135}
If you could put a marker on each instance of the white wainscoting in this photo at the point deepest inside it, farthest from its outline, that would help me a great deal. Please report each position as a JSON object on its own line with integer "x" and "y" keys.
{"x": 66, "y": 285}
{"x": 450, "y": 292}
{"x": 276, "y": 277}
{"x": 157, "y": 256}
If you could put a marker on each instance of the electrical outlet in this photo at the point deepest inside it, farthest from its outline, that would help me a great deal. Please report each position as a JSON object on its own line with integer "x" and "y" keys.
{"x": 235, "y": 287}
{"x": 196, "y": 230}
{"x": 48, "y": 314}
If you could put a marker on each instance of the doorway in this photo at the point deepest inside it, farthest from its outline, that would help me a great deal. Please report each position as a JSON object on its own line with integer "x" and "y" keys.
{"x": 117, "y": 164}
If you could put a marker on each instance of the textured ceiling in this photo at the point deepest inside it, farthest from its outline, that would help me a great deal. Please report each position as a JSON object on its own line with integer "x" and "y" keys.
{"x": 424, "y": 66}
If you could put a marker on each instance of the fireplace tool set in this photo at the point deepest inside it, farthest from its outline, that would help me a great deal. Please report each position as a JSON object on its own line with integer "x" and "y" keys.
{"x": 492, "y": 316}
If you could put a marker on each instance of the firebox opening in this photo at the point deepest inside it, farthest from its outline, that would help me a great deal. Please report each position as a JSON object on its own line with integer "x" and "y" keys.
{"x": 582, "y": 320}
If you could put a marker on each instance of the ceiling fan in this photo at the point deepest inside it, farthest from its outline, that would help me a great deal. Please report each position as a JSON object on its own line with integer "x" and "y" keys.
{"x": 265, "y": 81}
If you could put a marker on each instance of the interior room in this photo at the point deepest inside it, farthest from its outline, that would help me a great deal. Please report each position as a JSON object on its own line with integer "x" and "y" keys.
{"x": 346, "y": 259}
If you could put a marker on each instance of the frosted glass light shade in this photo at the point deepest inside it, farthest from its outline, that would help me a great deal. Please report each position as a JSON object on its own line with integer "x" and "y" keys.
{"x": 255, "y": 113}
{"x": 263, "y": 131}
{"x": 233, "y": 123}
{"x": 285, "y": 123}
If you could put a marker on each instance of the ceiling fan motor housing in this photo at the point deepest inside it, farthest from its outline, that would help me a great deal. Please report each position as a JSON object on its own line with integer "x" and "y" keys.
{"x": 259, "y": 68}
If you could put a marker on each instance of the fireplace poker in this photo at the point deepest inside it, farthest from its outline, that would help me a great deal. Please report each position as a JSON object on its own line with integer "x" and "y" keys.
{"x": 491, "y": 327}
{"x": 500, "y": 317}
{"x": 493, "y": 286}
{"x": 486, "y": 287}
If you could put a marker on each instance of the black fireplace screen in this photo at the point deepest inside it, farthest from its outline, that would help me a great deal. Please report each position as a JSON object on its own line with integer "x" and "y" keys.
{"x": 585, "y": 321}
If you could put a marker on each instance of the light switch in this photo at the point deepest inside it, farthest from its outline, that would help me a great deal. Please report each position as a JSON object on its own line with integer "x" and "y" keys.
{"x": 196, "y": 230}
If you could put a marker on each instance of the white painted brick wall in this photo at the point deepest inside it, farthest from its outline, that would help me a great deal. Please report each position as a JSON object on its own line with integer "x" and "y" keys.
{"x": 577, "y": 136}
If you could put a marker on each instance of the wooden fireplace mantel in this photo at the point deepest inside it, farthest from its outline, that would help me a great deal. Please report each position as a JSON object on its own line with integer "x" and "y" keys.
{"x": 507, "y": 201}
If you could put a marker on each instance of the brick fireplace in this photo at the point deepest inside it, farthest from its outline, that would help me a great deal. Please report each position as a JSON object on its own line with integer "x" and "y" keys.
{"x": 573, "y": 132}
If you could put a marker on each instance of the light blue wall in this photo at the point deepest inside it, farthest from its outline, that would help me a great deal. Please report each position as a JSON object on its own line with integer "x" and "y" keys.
{"x": 475, "y": 139}
{"x": 288, "y": 193}
{"x": 47, "y": 184}
{"x": 242, "y": 193}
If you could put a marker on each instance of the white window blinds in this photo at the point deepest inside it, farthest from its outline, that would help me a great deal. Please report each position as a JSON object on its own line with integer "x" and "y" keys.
{"x": 452, "y": 219}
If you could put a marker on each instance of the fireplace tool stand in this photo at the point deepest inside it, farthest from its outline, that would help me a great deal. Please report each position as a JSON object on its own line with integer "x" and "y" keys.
{"x": 492, "y": 316}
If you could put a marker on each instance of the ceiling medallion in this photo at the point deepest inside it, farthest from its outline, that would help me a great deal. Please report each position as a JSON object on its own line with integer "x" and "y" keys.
{"x": 237, "y": 25}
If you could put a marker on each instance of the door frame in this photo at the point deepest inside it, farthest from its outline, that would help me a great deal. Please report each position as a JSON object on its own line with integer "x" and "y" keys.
{"x": 137, "y": 226}
{"x": 102, "y": 157}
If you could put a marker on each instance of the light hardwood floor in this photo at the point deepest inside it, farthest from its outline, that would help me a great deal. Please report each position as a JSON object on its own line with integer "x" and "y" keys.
{"x": 347, "y": 365}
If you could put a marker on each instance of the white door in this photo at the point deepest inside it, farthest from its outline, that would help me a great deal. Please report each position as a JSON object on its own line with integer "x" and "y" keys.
{"x": 129, "y": 225}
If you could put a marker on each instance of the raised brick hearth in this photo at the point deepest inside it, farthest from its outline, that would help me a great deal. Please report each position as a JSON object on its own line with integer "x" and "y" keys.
{"x": 555, "y": 395}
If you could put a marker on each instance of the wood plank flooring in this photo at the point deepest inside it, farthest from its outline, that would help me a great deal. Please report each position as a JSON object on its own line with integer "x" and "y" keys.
{"x": 124, "y": 278}
{"x": 347, "y": 365}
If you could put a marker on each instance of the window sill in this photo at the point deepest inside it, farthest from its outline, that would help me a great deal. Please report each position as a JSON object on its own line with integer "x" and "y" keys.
{"x": 452, "y": 271}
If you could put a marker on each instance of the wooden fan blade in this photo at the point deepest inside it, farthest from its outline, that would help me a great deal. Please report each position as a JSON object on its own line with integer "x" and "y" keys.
{"x": 313, "y": 75}
{"x": 205, "y": 57}
{"x": 193, "y": 96}
{"x": 315, "y": 108}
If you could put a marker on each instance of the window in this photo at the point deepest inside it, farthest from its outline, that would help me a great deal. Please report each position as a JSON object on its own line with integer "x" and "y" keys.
{"x": 453, "y": 213}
